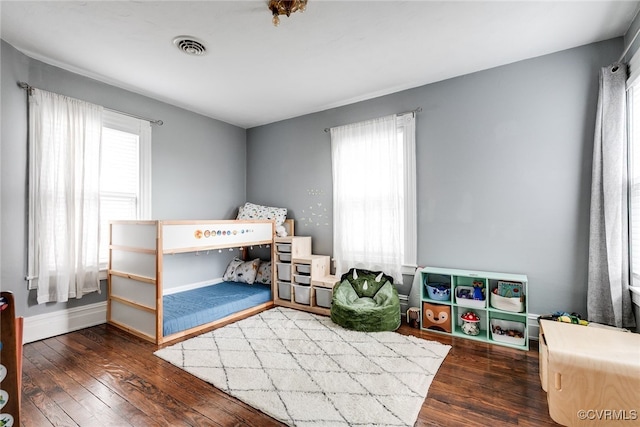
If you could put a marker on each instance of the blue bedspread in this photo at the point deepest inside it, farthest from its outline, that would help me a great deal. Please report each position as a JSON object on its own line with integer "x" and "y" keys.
{"x": 185, "y": 310}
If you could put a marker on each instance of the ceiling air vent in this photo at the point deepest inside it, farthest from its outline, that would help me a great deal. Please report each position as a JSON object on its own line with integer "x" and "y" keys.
{"x": 190, "y": 45}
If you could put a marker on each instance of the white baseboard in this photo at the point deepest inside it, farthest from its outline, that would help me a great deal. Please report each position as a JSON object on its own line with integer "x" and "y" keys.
{"x": 534, "y": 327}
{"x": 61, "y": 322}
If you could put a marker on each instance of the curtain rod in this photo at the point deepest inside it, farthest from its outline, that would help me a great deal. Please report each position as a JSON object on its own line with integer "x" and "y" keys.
{"x": 417, "y": 110}
{"x": 28, "y": 87}
{"x": 629, "y": 45}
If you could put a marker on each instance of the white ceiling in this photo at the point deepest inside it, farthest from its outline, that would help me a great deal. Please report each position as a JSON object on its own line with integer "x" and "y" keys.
{"x": 333, "y": 54}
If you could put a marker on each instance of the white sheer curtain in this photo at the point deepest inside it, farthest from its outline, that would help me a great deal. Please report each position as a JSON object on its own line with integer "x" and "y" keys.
{"x": 64, "y": 184}
{"x": 368, "y": 196}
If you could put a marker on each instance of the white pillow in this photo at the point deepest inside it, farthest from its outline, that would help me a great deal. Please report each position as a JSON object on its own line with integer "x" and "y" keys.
{"x": 241, "y": 271}
{"x": 253, "y": 211}
{"x": 264, "y": 273}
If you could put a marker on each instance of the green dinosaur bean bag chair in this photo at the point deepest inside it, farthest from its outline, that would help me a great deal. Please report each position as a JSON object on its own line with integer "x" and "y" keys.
{"x": 366, "y": 301}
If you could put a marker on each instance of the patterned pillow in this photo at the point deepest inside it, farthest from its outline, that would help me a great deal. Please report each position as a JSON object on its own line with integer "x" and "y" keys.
{"x": 241, "y": 271}
{"x": 252, "y": 211}
{"x": 264, "y": 273}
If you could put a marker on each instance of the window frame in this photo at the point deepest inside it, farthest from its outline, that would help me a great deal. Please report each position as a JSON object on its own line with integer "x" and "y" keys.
{"x": 633, "y": 97}
{"x": 406, "y": 139}
{"x": 141, "y": 128}
{"x": 407, "y": 122}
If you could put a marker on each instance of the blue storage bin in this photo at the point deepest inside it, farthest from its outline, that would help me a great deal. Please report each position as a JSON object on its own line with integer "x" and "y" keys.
{"x": 439, "y": 291}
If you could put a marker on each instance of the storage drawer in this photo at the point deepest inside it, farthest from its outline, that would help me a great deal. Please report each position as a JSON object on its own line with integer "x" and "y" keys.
{"x": 436, "y": 317}
{"x": 324, "y": 297}
{"x": 303, "y": 268}
{"x": 284, "y": 257}
{"x": 301, "y": 278}
{"x": 284, "y": 290}
{"x": 283, "y": 247}
{"x": 302, "y": 294}
{"x": 284, "y": 271}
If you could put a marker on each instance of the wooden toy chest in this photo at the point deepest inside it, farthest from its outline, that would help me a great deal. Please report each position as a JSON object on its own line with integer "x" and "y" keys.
{"x": 591, "y": 374}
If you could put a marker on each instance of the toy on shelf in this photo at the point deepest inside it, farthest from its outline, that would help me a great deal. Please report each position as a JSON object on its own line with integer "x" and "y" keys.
{"x": 470, "y": 323}
{"x": 439, "y": 291}
{"x": 464, "y": 292}
{"x": 563, "y": 316}
{"x": 509, "y": 289}
{"x": 478, "y": 290}
{"x": 508, "y": 332}
{"x": 471, "y": 296}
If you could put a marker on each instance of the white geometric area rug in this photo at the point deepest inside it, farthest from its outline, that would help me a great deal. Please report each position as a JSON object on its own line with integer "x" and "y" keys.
{"x": 304, "y": 370}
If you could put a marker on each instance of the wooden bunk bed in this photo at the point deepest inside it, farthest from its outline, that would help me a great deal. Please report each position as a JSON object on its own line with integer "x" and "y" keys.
{"x": 137, "y": 269}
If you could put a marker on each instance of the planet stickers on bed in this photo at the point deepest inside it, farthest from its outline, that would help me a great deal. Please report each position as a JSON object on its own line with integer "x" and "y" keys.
{"x": 223, "y": 234}
{"x": 199, "y": 234}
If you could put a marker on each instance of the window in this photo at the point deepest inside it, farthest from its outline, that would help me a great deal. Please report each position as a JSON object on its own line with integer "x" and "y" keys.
{"x": 86, "y": 167}
{"x": 125, "y": 174}
{"x": 375, "y": 195}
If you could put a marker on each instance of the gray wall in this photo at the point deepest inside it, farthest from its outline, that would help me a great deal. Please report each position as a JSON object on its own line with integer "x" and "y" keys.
{"x": 199, "y": 164}
{"x": 504, "y": 169}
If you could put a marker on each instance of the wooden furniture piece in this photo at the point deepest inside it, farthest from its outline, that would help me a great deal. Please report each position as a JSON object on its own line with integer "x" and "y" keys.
{"x": 591, "y": 374}
{"x": 298, "y": 274}
{"x": 443, "y": 313}
{"x": 137, "y": 271}
{"x": 10, "y": 362}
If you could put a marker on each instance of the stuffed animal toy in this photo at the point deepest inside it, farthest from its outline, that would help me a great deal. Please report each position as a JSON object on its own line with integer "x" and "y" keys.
{"x": 281, "y": 231}
{"x": 478, "y": 289}
{"x": 470, "y": 323}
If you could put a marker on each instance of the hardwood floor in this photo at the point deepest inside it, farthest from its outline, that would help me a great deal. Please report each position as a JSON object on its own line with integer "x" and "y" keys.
{"x": 102, "y": 376}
